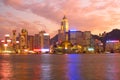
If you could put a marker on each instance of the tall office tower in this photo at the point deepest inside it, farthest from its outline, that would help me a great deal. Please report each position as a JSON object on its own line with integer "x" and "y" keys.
{"x": 30, "y": 42}
{"x": 72, "y": 36}
{"x": 63, "y": 32}
{"x": 7, "y": 42}
{"x": 61, "y": 36}
{"x": 87, "y": 38}
{"x": 14, "y": 37}
{"x": 75, "y": 37}
{"x": 7, "y": 38}
{"x": 37, "y": 41}
{"x": 14, "y": 46}
{"x": 64, "y": 24}
{"x": 41, "y": 39}
{"x": 46, "y": 43}
{"x": 23, "y": 40}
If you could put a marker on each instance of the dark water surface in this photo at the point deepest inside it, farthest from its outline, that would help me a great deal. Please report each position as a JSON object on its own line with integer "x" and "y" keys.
{"x": 60, "y": 67}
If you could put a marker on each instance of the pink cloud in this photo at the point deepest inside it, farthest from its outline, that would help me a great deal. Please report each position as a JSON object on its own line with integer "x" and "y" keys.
{"x": 96, "y": 15}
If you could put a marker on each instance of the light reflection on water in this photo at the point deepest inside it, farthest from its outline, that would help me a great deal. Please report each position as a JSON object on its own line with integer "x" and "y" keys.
{"x": 5, "y": 70}
{"x": 73, "y": 70}
{"x": 60, "y": 67}
{"x": 113, "y": 68}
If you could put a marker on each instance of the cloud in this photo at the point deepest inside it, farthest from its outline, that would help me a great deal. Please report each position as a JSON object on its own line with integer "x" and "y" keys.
{"x": 95, "y": 15}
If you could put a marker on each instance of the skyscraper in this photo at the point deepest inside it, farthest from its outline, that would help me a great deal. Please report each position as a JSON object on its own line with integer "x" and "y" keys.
{"x": 64, "y": 24}
{"x": 23, "y": 40}
{"x": 63, "y": 32}
{"x": 30, "y": 42}
{"x": 14, "y": 37}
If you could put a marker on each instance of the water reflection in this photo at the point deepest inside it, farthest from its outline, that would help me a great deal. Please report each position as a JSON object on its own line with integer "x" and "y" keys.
{"x": 45, "y": 67}
{"x": 73, "y": 67}
{"x": 60, "y": 67}
{"x": 52, "y": 67}
{"x": 5, "y": 69}
{"x": 112, "y": 68}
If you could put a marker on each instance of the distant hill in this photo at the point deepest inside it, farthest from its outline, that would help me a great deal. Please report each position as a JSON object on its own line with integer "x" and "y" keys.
{"x": 113, "y": 35}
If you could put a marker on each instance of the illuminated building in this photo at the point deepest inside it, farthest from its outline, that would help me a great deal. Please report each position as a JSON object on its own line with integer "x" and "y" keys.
{"x": 113, "y": 45}
{"x": 6, "y": 44}
{"x": 63, "y": 32}
{"x": 37, "y": 41}
{"x": 87, "y": 38}
{"x": 45, "y": 41}
{"x": 7, "y": 38}
{"x": 41, "y": 33}
{"x": 82, "y": 39}
{"x": 78, "y": 37}
{"x": 23, "y": 40}
{"x": 30, "y": 42}
{"x": 98, "y": 46}
{"x": 64, "y": 24}
{"x": 14, "y": 37}
{"x": 42, "y": 42}
{"x": 15, "y": 46}
{"x": 75, "y": 37}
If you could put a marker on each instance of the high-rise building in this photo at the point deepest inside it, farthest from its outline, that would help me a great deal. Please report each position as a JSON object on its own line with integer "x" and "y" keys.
{"x": 44, "y": 41}
{"x": 63, "y": 32}
{"x": 87, "y": 38}
{"x": 37, "y": 41}
{"x": 75, "y": 37}
{"x": 64, "y": 24}
{"x": 80, "y": 38}
{"x": 14, "y": 37}
{"x": 30, "y": 42}
{"x": 41, "y": 33}
{"x": 23, "y": 40}
{"x": 113, "y": 46}
{"x": 72, "y": 36}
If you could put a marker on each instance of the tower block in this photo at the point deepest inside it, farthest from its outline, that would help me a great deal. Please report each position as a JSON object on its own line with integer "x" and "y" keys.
{"x": 65, "y": 27}
{"x": 23, "y": 40}
{"x": 14, "y": 37}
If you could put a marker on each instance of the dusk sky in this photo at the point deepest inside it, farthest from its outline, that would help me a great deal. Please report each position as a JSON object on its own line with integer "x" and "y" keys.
{"x": 96, "y": 16}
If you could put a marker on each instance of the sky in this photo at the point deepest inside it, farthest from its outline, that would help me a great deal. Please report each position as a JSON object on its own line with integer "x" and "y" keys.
{"x": 96, "y": 16}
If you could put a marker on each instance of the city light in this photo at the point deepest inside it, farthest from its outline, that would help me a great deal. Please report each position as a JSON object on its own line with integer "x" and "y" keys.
{"x": 73, "y": 30}
{"x": 90, "y": 49}
{"x": 31, "y": 51}
{"x": 2, "y": 41}
{"x": 5, "y": 45}
{"x": 6, "y": 51}
{"x": 17, "y": 41}
{"x": 37, "y": 50}
{"x": 46, "y": 34}
{"x": 7, "y": 35}
{"x": 45, "y": 50}
{"x": 112, "y": 41}
{"x": 8, "y": 40}
{"x": 26, "y": 50}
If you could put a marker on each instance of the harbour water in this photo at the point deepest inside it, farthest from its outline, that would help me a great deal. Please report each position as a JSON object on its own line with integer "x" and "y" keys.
{"x": 60, "y": 67}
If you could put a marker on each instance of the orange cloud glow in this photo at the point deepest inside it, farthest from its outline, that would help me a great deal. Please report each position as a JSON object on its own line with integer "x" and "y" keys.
{"x": 96, "y": 16}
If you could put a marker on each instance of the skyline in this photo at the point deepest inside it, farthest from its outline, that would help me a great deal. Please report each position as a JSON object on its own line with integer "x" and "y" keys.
{"x": 35, "y": 15}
